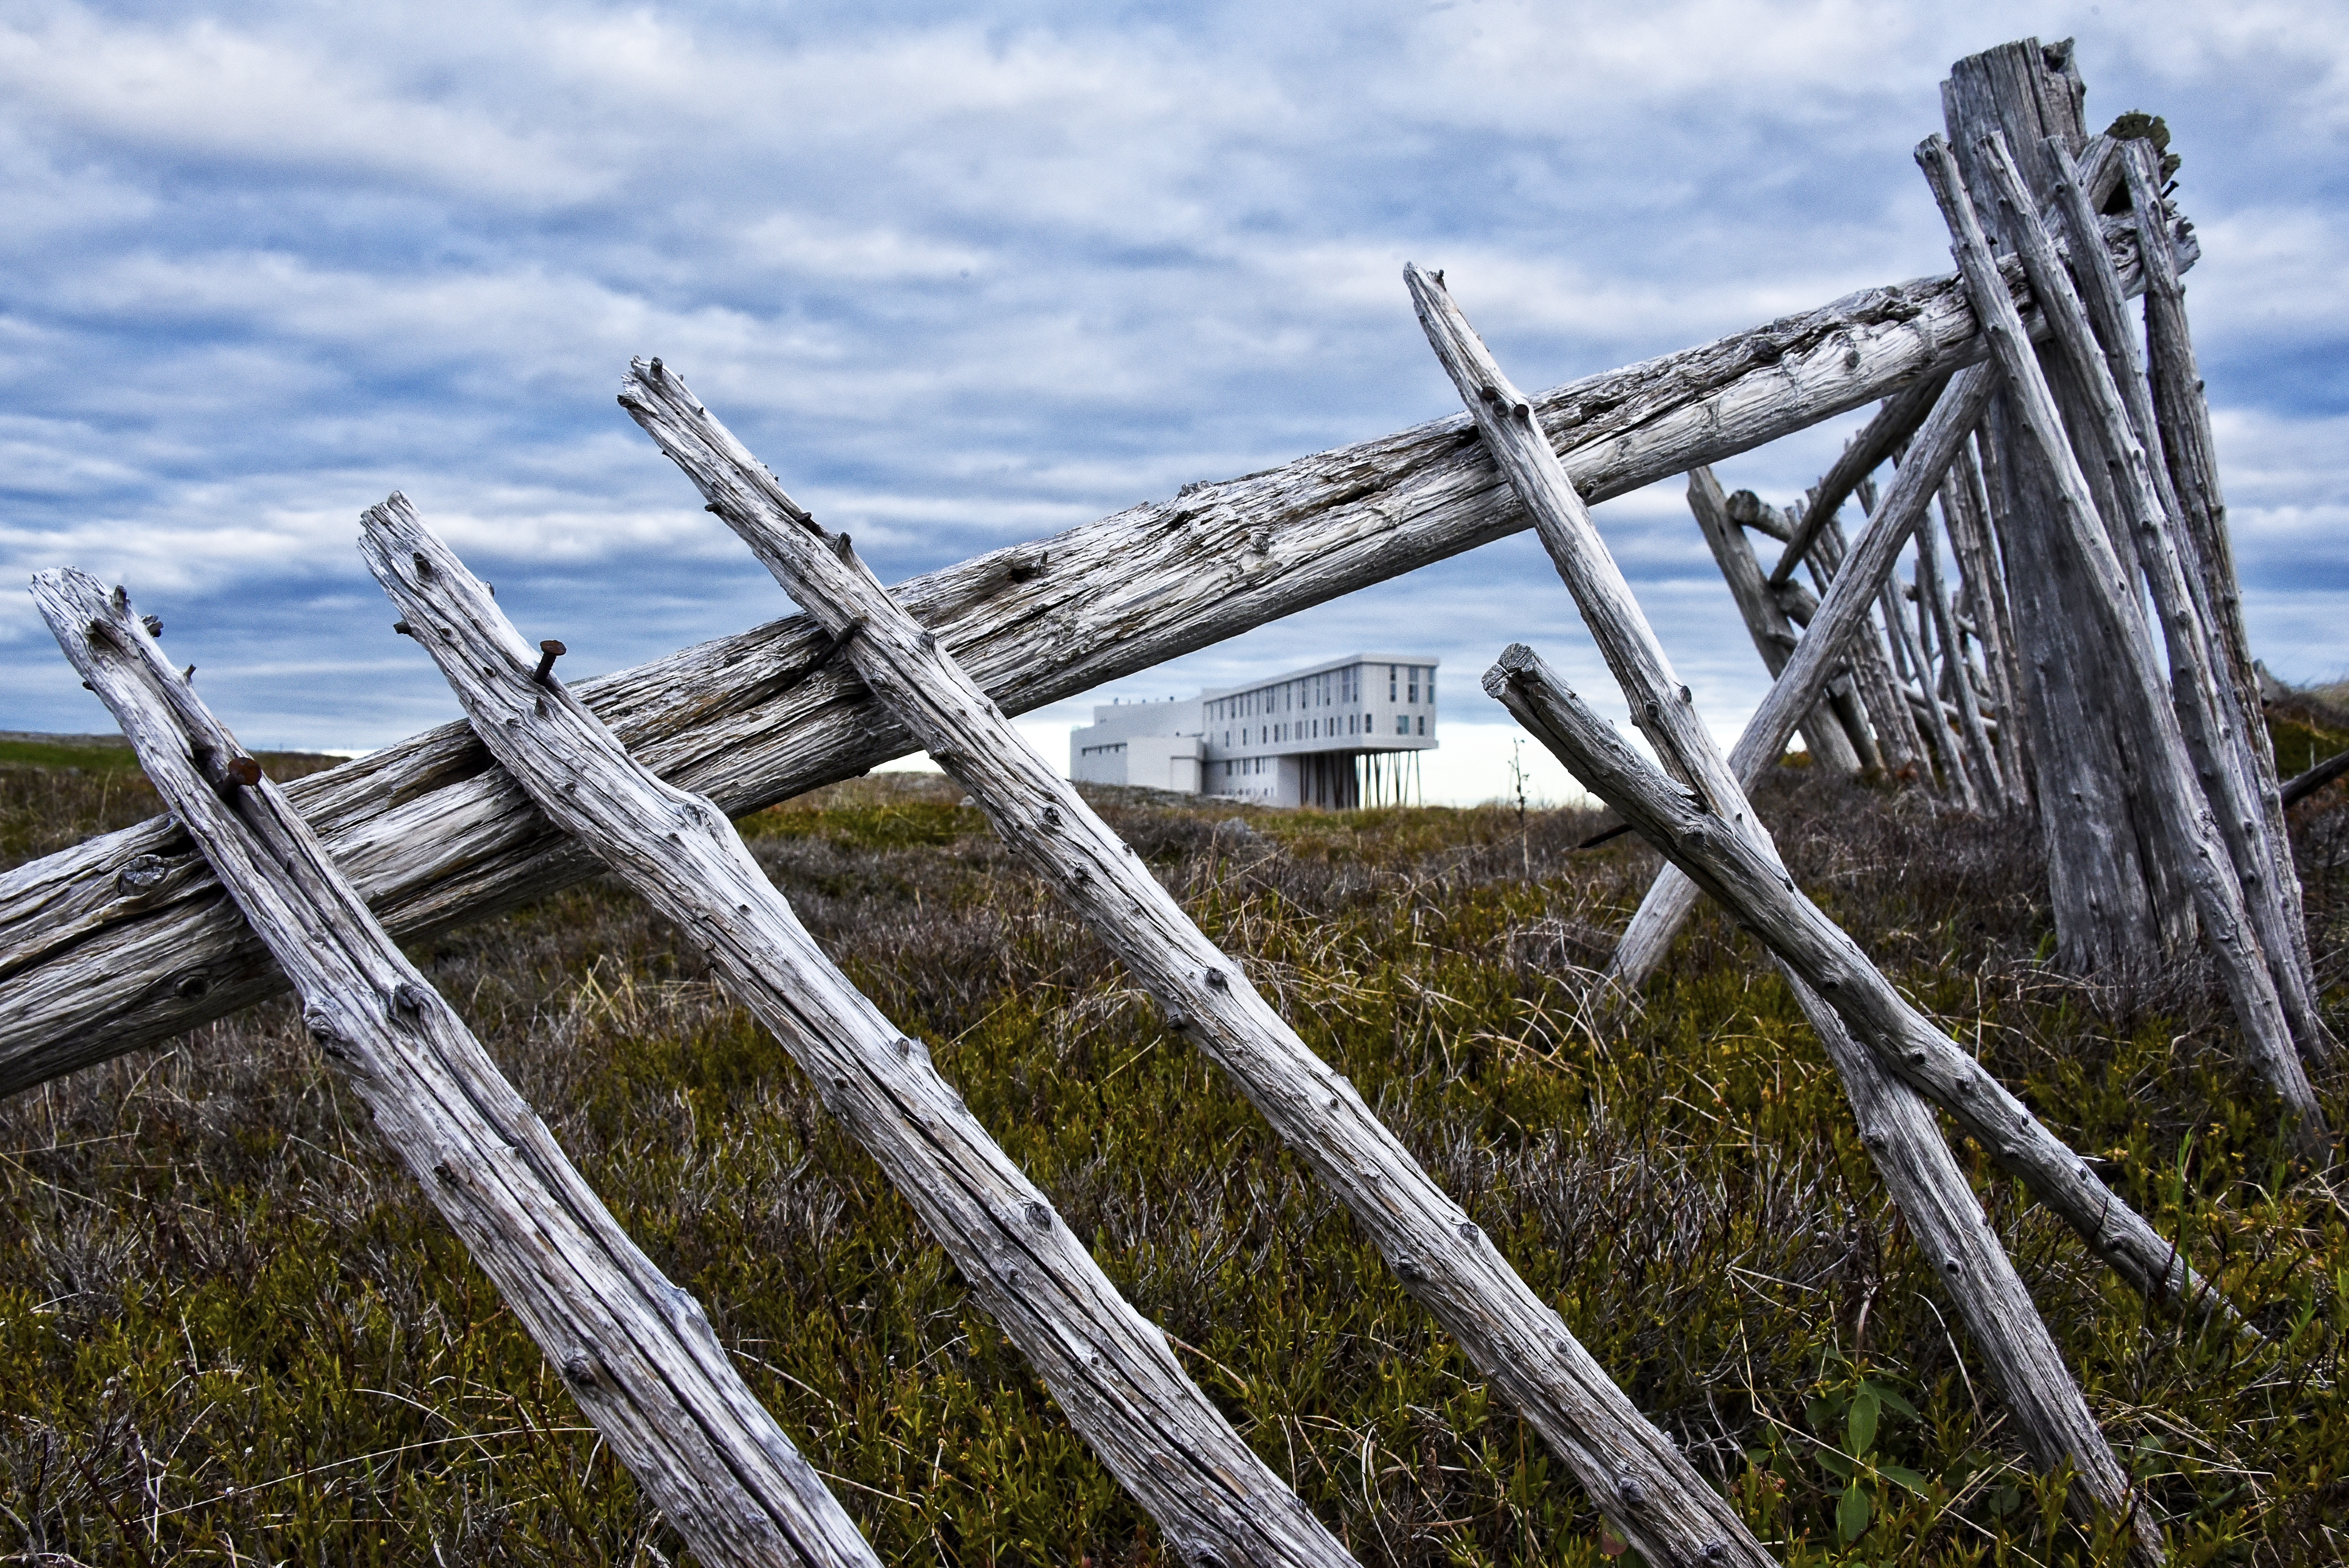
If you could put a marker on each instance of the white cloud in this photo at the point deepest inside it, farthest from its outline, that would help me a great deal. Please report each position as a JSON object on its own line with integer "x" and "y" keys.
{"x": 967, "y": 281}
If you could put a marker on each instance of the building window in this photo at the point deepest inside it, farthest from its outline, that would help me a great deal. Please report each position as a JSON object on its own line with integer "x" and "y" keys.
{"x": 1391, "y": 682}
{"x": 1402, "y": 724}
{"x": 1422, "y": 724}
{"x": 1414, "y": 684}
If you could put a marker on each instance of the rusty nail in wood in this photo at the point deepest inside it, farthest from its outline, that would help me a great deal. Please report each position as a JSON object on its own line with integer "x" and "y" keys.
{"x": 245, "y": 770}
{"x": 548, "y": 652}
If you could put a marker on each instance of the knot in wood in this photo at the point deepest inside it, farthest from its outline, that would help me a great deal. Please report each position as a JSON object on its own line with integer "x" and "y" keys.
{"x": 445, "y": 1173}
{"x": 191, "y": 986}
{"x": 1629, "y": 1489}
{"x": 1219, "y": 981}
{"x": 1407, "y": 1267}
{"x": 1052, "y": 816}
{"x": 1718, "y": 1550}
{"x": 1951, "y": 1267}
{"x": 409, "y": 1000}
{"x": 321, "y": 1025}
{"x": 1467, "y": 1229}
{"x": 579, "y": 1370}
{"x": 1039, "y": 1214}
{"x": 423, "y": 566}
{"x": 142, "y": 872}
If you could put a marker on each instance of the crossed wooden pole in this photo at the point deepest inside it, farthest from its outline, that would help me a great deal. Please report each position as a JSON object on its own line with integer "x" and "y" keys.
{"x": 248, "y": 888}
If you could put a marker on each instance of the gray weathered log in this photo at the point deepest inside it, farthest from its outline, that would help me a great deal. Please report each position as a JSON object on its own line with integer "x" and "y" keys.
{"x": 1765, "y": 620}
{"x": 2190, "y": 462}
{"x": 1841, "y": 614}
{"x": 1959, "y": 782}
{"x": 1111, "y": 1371}
{"x": 636, "y": 1351}
{"x": 125, "y": 941}
{"x": 1989, "y": 784}
{"x": 1909, "y": 1043}
{"x": 1637, "y": 1478}
{"x": 1734, "y": 863}
{"x": 1901, "y": 743}
{"x": 2302, "y": 787}
{"x": 1862, "y": 455}
{"x": 2205, "y": 695}
{"x": 2141, "y": 694}
{"x": 1966, "y": 512}
{"x": 2113, "y": 884}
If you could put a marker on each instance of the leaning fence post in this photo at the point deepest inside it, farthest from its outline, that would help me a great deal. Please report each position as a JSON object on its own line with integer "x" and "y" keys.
{"x": 1840, "y": 616}
{"x": 636, "y": 1351}
{"x": 1841, "y": 990}
{"x": 1637, "y": 1479}
{"x": 756, "y": 717}
{"x": 1109, "y": 1368}
{"x": 2174, "y": 793}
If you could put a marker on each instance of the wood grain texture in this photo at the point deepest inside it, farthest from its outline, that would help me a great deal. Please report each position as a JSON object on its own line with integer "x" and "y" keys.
{"x": 1736, "y": 866}
{"x": 1956, "y": 682}
{"x": 1766, "y": 621}
{"x": 2175, "y": 795}
{"x": 2116, "y": 900}
{"x": 1637, "y": 1479}
{"x": 125, "y": 941}
{"x": 1111, "y": 1371}
{"x": 1861, "y": 456}
{"x": 2191, "y": 463}
{"x": 2090, "y": 327}
{"x": 634, "y": 1350}
{"x": 1841, "y": 616}
{"x": 1966, "y": 512}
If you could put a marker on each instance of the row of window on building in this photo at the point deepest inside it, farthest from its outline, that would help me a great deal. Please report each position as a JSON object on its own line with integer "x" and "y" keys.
{"x": 1312, "y": 729}
{"x": 1332, "y": 689}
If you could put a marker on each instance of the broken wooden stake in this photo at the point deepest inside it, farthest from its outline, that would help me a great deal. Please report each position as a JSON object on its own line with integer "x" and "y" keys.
{"x": 1841, "y": 616}
{"x": 2175, "y": 794}
{"x": 1639, "y": 1480}
{"x": 1738, "y": 868}
{"x": 90, "y": 967}
{"x": 636, "y": 1351}
{"x": 1109, "y": 1368}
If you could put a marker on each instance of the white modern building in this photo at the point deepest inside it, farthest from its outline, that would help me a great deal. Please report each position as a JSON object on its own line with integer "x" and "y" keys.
{"x": 1338, "y": 735}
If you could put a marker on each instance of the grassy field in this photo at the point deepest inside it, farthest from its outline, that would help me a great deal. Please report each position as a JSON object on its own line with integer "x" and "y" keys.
{"x": 231, "y": 1331}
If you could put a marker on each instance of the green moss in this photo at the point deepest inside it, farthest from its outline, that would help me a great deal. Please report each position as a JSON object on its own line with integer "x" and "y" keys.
{"x": 211, "y": 1277}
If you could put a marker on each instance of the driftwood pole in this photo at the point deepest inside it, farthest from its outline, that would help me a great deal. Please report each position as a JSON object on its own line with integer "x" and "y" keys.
{"x": 1894, "y": 424}
{"x": 2208, "y": 699}
{"x": 1109, "y": 1370}
{"x": 127, "y": 939}
{"x": 1766, "y": 622}
{"x": 1932, "y": 663}
{"x": 636, "y": 1351}
{"x": 1962, "y": 509}
{"x": 2046, "y": 1402}
{"x": 1991, "y": 787}
{"x": 2114, "y": 879}
{"x": 2198, "y": 518}
{"x": 2173, "y": 791}
{"x": 1647, "y": 1490}
{"x": 1846, "y": 610}
{"x": 1737, "y": 867}
{"x": 1900, "y": 745}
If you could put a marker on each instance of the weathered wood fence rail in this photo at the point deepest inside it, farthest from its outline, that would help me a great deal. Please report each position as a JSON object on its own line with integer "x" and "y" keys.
{"x": 2072, "y": 480}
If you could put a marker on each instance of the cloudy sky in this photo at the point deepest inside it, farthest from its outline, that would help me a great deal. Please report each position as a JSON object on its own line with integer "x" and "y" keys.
{"x": 968, "y": 275}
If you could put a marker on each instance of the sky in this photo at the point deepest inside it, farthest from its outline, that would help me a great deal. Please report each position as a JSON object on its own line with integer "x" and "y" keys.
{"x": 965, "y": 277}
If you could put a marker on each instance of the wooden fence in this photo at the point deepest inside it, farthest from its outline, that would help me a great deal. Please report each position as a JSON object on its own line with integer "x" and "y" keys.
{"x": 2018, "y": 672}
